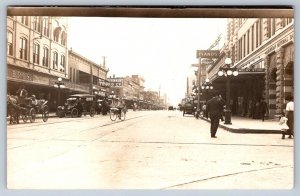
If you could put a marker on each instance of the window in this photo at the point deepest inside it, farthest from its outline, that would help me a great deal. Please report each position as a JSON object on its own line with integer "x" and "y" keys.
{"x": 248, "y": 42}
{"x": 37, "y": 24}
{"x": 64, "y": 39}
{"x": 252, "y": 38}
{"x": 244, "y": 46}
{"x": 55, "y": 60}
{"x": 62, "y": 63}
{"x": 271, "y": 27}
{"x": 260, "y": 31}
{"x": 46, "y": 57}
{"x": 56, "y": 34}
{"x": 23, "y": 48}
{"x": 286, "y": 21}
{"x": 24, "y": 20}
{"x": 36, "y": 53}
{"x": 9, "y": 43}
{"x": 45, "y": 27}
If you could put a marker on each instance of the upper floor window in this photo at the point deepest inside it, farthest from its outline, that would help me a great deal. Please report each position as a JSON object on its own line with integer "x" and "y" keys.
{"x": 45, "y": 27}
{"x": 271, "y": 27}
{"x": 37, "y": 24}
{"x": 286, "y": 21}
{"x": 36, "y": 53}
{"x": 46, "y": 57}
{"x": 23, "y": 48}
{"x": 56, "y": 34}
{"x": 24, "y": 20}
{"x": 9, "y": 43}
{"x": 55, "y": 60}
{"x": 62, "y": 63}
{"x": 64, "y": 39}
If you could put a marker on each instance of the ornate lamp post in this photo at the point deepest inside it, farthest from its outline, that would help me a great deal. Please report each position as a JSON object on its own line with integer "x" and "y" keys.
{"x": 207, "y": 85}
{"x": 59, "y": 85}
{"x": 228, "y": 72}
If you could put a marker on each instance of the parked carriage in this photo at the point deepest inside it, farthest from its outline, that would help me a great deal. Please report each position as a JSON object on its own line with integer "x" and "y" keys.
{"x": 78, "y": 105}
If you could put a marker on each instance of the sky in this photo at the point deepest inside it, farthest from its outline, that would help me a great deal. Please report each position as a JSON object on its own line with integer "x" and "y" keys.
{"x": 159, "y": 49}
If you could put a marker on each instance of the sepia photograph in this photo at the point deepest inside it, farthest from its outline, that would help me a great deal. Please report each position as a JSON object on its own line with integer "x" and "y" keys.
{"x": 154, "y": 98}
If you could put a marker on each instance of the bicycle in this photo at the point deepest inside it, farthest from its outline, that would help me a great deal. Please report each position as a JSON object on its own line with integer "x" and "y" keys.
{"x": 114, "y": 114}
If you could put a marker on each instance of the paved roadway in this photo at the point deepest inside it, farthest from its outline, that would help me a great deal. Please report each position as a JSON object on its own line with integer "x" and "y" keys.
{"x": 149, "y": 150}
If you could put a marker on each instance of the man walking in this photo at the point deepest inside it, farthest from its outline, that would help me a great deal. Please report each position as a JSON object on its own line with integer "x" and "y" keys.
{"x": 213, "y": 109}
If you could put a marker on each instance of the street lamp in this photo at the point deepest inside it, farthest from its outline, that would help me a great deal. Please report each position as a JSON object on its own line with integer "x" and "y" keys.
{"x": 228, "y": 72}
{"x": 207, "y": 85}
{"x": 59, "y": 85}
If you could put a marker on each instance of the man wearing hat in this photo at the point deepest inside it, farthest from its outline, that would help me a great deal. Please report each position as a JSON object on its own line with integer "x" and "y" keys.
{"x": 213, "y": 108}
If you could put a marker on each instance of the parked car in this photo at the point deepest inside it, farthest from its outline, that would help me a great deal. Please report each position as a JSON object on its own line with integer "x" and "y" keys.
{"x": 171, "y": 108}
{"x": 78, "y": 104}
{"x": 189, "y": 108}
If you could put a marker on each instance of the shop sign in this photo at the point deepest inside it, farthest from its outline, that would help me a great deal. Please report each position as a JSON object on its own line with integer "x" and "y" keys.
{"x": 280, "y": 43}
{"x": 252, "y": 70}
{"x": 208, "y": 53}
{"x": 20, "y": 75}
{"x": 115, "y": 82}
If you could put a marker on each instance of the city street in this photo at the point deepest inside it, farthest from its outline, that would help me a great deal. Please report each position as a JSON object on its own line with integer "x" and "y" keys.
{"x": 149, "y": 150}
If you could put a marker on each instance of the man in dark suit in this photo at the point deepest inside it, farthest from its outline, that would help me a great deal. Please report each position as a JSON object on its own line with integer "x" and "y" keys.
{"x": 213, "y": 108}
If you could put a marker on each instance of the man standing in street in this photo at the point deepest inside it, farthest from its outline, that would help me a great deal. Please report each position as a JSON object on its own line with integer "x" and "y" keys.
{"x": 213, "y": 109}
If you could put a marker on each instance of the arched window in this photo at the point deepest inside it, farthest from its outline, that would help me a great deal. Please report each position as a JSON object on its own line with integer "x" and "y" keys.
{"x": 9, "y": 43}
{"x": 56, "y": 34}
{"x": 46, "y": 57}
{"x": 23, "y": 48}
{"x": 64, "y": 39}
{"x": 55, "y": 60}
{"x": 36, "y": 53}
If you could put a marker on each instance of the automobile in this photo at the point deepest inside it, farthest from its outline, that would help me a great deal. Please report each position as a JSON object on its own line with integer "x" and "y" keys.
{"x": 189, "y": 108}
{"x": 171, "y": 108}
{"x": 77, "y": 105}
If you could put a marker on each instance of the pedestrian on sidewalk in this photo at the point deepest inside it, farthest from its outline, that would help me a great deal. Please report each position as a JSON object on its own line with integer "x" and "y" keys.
{"x": 284, "y": 127}
{"x": 263, "y": 109}
{"x": 213, "y": 109}
{"x": 222, "y": 107}
{"x": 290, "y": 115}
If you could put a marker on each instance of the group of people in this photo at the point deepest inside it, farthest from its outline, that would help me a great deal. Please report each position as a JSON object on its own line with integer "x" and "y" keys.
{"x": 215, "y": 107}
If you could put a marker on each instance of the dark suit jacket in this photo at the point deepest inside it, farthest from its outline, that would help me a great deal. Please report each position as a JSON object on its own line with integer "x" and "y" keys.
{"x": 213, "y": 107}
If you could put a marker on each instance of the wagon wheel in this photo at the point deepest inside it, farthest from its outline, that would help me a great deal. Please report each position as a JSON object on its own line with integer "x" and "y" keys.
{"x": 25, "y": 116}
{"x": 92, "y": 112}
{"x": 123, "y": 115}
{"x": 74, "y": 113}
{"x": 113, "y": 115}
{"x": 32, "y": 115}
{"x": 45, "y": 113}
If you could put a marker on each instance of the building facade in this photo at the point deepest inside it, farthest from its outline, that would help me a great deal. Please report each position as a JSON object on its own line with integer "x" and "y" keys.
{"x": 87, "y": 76}
{"x": 36, "y": 54}
{"x": 262, "y": 49}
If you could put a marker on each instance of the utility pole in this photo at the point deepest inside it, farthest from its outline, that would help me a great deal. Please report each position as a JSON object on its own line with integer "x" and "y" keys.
{"x": 199, "y": 84}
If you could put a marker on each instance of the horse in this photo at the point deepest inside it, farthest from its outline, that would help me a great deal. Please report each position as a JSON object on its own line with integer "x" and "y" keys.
{"x": 12, "y": 109}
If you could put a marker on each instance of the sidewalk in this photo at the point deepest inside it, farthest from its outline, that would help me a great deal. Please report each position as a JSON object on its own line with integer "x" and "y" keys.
{"x": 249, "y": 125}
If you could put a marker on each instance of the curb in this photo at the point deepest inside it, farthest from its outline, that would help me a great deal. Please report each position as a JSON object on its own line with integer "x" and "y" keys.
{"x": 245, "y": 130}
